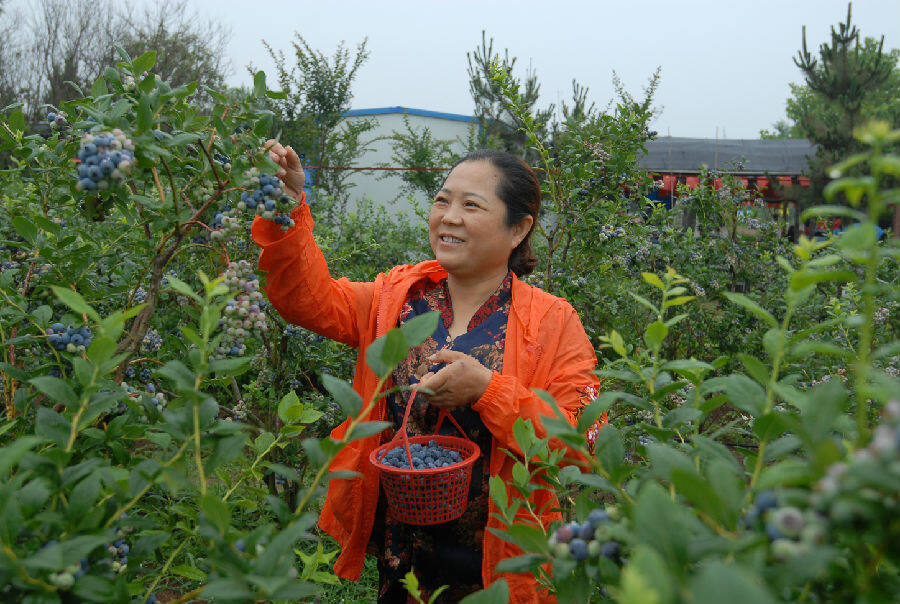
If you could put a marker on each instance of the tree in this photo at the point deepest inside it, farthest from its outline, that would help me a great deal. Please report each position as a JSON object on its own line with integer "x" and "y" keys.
{"x": 310, "y": 116}
{"x": 9, "y": 55}
{"x": 61, "y": 48}
{"x": 850, "y": 81}
{"x": 188, "y": 49}
{"x": 500, "y": 128}
{"x": 844, "y": 80}
{"x": 424, "y": 155}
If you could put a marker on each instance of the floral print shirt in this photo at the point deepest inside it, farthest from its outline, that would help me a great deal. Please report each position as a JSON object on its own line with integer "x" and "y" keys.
{"x": 448, "y": 553}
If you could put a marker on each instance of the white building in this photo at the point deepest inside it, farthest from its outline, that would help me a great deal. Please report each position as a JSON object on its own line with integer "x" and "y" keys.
{"x": 384, "y": 186}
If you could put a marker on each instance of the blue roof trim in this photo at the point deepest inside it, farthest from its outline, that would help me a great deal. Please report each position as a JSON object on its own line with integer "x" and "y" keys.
{"x": 410, "y": 111}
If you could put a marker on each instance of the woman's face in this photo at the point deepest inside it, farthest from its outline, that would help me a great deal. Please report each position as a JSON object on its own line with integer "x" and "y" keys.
{"x": 467, "y": 224}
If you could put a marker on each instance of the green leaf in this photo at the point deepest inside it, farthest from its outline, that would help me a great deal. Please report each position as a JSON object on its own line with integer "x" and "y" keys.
{"x": 189, "y": 572}
{"x": 99, "y": 87}
{"x": 373, "y": 358}
{"x": 717, "y": 583}
{"x": 395, "y": 348}
{"x": 60, "y": 555}
{"x": 145, "y": 62}
{"x": 73, "y": 300}
{"x": 183, "y": 288}
{"x": 259, "y": 84}
{"x": 263, "y": 441}
{"x": 745, "y": 394}
{"x": 180, "y": 375}
{"x": 655, "y": 333}
{"x": 654, "y": 280}
{"x": 787, "y": 473}
{"x": 416, "y": 330}
{"x": 216, "y": 512}
{"x": 52, "y": 426}
{"x": 827, "y": 210}
{"x": 496, "y": 593}
{"x": 290, "y": 408}
{"x": 498, "y": 493}
{"x": 17, "y": 121}
{"x": 56, "y": 389}
{"x": 521, "y": 564}
{"x": 646, "y": 579}
{"x": 678, "y": 301}
{"x": 645, "y": 302}
{"x": 230, "y": 367}
{"x": 807, "y": 277}
{"x": 25, "y": 228}
{"x": 11, "y": 454}
{"x": 144, "y": 113}
{"x": 367, "y": 429}
{"x": 344, "y": 394}
{"x": 760, "y": 312}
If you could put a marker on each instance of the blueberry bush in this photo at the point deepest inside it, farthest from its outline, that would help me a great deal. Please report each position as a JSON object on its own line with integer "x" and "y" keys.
{"x": 163, "y": 432}
{"x": 795, "y": 499}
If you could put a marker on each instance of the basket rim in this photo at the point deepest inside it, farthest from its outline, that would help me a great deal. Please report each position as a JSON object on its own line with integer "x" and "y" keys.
{"x": 438, "y": 438}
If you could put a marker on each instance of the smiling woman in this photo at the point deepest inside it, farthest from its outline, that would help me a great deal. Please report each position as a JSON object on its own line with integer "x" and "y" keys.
{"x": 497, "y": 339}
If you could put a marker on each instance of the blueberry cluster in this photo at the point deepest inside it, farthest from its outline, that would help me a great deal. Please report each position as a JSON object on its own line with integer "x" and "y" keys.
{"x": 424, "y": 457}
{"x": 223, "y": 160}
{"x": 56, "y": 118}
{"x": 68, "y": 338}
{"x": 140, "y": 295}
{"x": 165, "y": 278}
{"x": 66, "y": 578}
{"x": 149, "y": 393}
{"x": 268, "y": 199}
{"x": 104, "y": 157}
{"x": 225, "y": 225}
{"x": 152, "y": 341}
{"x": 581, "y": 541}
{"x": 145, "y": 375}
{"x": 608, "y": 231}
{"x": 790, "y": 530}
{"x": 119, "y": 551}
{"x": 239, "y": 411}
{"x": 293, "y": 331}
{"x": 244, "y": 316}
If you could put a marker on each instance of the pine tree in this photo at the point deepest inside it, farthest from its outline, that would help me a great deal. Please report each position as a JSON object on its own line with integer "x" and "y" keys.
{"x": 849, "y": 82}
{"x": 499, "y": 128}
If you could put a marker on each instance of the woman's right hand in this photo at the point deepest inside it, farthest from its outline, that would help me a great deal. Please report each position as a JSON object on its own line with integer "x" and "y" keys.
{"x": 291, "y": 172}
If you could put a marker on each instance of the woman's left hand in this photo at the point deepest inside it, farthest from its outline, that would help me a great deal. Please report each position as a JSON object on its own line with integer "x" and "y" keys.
{"x": 462, "y": 381}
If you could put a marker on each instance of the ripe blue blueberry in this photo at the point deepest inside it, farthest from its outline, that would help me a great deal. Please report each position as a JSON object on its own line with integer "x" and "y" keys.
{"x": 578, "y": 548}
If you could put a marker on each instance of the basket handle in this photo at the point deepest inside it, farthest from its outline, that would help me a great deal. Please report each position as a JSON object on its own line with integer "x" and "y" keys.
{"x": 404, "y": 436}
{"x": 444, "y": 413}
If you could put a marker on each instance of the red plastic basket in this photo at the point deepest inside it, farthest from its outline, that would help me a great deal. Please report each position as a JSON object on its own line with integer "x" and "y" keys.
{"x": 428, "y": 496}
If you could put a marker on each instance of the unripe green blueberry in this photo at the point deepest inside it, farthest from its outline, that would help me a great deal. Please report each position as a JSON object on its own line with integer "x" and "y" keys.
{"x": 789, "y": 520}
{"x": 561, "y": 550}
{"x": 784, "y": 549}
{"x": 594, "y": 549}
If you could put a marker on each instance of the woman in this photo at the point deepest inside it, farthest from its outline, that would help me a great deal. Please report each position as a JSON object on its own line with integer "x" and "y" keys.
{"x": 497, "y": 339}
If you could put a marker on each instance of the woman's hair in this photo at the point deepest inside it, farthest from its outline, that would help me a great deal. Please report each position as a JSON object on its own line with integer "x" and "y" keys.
{"x": 520, "y": 192}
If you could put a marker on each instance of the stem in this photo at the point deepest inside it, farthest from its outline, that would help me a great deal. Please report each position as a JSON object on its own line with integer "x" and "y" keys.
{"x": 359, "y": 418}
{"x": 252, "y": 466}
{"x": 197, "y": 457}
{"x": 867, "y": 332}
{"x": 165, "y": 567}
{"x": 118, "y": 513}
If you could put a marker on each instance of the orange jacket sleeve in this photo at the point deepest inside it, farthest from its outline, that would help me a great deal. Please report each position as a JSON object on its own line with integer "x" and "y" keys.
{"x": 568, "y": 363}
{"x": 299, "y": 285}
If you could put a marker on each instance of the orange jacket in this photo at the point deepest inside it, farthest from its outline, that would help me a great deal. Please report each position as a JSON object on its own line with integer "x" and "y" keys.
{"x": 546, "y": 348}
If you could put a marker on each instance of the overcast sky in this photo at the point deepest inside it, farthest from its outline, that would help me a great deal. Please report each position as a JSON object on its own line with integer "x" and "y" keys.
{"x": 723, "y": 64}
